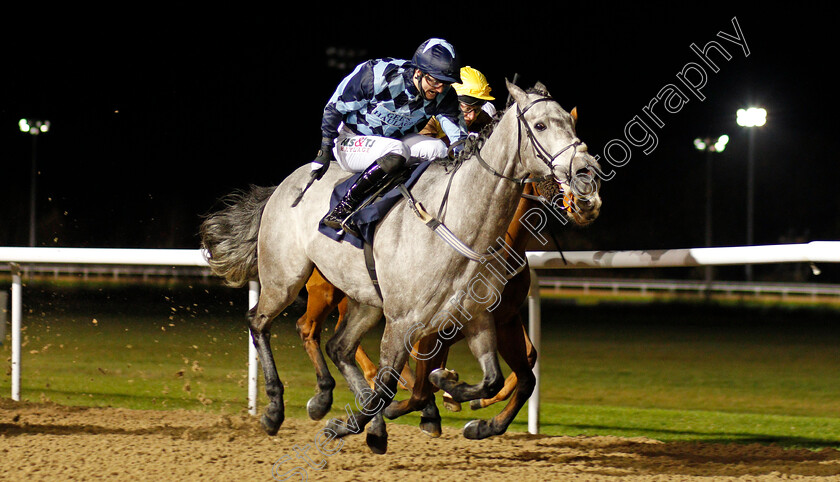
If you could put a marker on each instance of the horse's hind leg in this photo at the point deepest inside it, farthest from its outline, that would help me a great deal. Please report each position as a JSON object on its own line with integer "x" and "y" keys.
{"x": 278, "y": 287}
{"x": 259, "y": 324}
{"x": 515, "y": 354}
{"x": 322, "y": 299}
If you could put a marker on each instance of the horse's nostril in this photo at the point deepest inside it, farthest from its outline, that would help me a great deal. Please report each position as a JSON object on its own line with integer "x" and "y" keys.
{"x": 584, "y": 186}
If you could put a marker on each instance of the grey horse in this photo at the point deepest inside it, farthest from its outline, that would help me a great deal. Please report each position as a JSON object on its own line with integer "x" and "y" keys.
{"x": 426, "y": 286}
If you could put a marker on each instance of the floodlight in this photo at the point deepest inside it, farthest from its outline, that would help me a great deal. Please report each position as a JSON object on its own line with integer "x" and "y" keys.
{"x": 720, "y": 145}
{"x": 751, "y": 117}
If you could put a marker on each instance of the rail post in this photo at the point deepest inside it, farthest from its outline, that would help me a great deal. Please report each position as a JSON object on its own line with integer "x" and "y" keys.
{"x": 17, "y": 311}
{"x": 4, "y": 303}
{"x": 253, "y": 362}
{"x": 534, "y": 330}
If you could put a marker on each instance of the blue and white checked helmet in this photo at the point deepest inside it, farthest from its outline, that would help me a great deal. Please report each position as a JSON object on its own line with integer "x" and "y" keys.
{"x": 437, "y": 58}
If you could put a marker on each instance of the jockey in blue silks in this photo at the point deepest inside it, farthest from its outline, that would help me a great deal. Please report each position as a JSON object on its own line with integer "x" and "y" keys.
{"x": 370, "y": 123}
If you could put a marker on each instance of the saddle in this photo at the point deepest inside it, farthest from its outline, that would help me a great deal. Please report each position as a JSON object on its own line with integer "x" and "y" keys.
{"x": 372, "y": 210}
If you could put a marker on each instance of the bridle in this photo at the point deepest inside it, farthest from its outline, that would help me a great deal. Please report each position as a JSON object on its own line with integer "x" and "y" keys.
{"x": 539, "y": 150}
{"x": 474, "y": 144}
{"x": 472, "y": 147}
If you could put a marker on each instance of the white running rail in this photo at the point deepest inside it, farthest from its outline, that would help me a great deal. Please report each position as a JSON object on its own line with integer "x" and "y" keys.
{"x": 813, "y": 252}
{"x": 116, "y": 256}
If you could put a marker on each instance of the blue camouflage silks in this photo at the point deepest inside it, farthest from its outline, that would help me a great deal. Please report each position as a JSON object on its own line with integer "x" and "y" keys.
{"x": 379, "y": 98}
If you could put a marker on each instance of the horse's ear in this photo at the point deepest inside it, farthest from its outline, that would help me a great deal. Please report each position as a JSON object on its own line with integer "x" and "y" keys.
{"x": 519, "y": 95}
{"x": 540, "y": 87}
{"x": 573, "y": 113}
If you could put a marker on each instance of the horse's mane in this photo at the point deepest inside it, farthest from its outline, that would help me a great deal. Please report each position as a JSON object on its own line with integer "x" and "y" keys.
{"x": 538, "y": 91}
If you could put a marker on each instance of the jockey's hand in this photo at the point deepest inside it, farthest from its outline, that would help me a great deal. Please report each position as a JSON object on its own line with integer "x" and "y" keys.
{"x": 455, "y": 149}
{"x": 322, "y": 161}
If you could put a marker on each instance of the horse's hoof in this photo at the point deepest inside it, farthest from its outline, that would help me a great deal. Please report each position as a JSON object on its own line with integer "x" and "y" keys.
{"x": 430, "y": 427}
{"x": 450, "y": 404}
{"x": 317, "y": 408}
{"x": 271, "y": 422}
{"x": 440, "y": 374}
{"x": 333, "y": 425}
{"x": 393, "y": 410}
{"x": 342, "y": 428}
{"x": 476, "y": 404}
{"x": 378, "y": 444}
{"x": 477, "y": 430}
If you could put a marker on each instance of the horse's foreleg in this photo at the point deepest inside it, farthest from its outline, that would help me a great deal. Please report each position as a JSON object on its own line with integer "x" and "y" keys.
{"x": 448, "y": 401}
{"x": 516, "y": 354}
{"x": 322, "y": 300}
{"x": 362, "y": 358}
{"x": 508, "y": 317}
{"x": 367, "y": 365}
{"x": 480, "y": 334}
{"x": 369, "y": 369}
{"x": 504, "y": 394}
{"x": 341, "y": 349}
{"x": 510, "y": 381}
{"x": 391, "y": 357}
{"x": 407, "y": 377}
{"x": 370, "y": 403}
{"x": 430, "y": 353}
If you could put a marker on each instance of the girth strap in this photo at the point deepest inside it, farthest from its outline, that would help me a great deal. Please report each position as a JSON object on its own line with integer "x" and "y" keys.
{"x": 370, "y": 263}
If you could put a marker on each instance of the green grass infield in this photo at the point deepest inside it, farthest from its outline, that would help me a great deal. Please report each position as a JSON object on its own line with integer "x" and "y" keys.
{"x": 671, "y": 371}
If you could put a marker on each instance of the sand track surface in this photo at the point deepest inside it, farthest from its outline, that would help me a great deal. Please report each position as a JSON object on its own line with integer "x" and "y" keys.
{"x": 46, "y": 441}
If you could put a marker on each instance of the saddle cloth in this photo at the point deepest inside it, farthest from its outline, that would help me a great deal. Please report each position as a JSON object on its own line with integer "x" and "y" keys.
{"x": 365, "y": 219}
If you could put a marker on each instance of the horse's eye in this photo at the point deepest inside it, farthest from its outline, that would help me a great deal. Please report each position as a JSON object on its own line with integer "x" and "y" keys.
{"x": 540, "y": 126}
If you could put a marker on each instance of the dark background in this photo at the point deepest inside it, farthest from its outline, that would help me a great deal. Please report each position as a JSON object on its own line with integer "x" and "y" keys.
{"x": 157, "y": 113}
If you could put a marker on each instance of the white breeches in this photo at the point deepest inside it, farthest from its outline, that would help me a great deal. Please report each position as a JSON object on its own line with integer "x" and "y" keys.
{"x": 355, "y": 153}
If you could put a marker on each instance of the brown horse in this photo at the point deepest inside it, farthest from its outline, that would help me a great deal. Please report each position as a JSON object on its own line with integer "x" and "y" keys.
{"x": 514, "y": 345}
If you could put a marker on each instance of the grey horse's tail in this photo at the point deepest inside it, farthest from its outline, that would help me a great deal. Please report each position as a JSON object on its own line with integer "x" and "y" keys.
{"x": 229, "y": 235}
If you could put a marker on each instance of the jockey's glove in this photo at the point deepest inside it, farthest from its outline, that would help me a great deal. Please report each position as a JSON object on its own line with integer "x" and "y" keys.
{"x": 456, "y": 148}
{"x": 322, "y": 161}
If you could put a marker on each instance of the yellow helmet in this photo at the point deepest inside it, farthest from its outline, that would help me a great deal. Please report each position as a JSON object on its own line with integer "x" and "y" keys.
{"x": 474, "y": 84}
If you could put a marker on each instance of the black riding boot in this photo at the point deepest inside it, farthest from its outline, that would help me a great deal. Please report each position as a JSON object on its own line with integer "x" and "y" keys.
{"x": 372, "y": 179}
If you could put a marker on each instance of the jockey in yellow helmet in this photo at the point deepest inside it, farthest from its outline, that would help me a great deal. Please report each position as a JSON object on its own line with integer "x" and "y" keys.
{"x": 474, "y": 99}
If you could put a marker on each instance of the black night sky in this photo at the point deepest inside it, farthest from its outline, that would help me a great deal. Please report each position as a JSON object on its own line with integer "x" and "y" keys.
{"x": 157, "y": 114}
